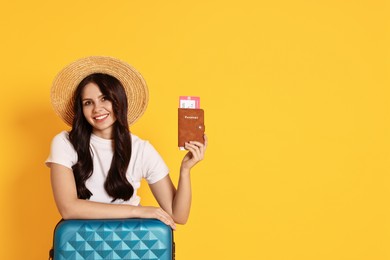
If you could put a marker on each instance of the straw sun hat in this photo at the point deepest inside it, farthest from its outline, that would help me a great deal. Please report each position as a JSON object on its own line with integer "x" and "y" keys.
{"x": 68, "y": 79}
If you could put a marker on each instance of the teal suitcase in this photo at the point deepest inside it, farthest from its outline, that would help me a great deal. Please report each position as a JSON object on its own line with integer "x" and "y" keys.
{"x": 113, "y": 239}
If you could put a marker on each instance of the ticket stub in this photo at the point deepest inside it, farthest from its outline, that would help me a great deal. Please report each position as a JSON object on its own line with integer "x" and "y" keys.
{"x": 189, "y": 102}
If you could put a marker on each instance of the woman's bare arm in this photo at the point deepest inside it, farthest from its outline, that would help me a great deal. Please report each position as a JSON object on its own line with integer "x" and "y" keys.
{"x": 177, "y": 203}
{"x": 70, "y": 207}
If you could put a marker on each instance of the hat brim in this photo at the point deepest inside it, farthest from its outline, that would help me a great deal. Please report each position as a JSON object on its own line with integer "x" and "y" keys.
{"x": 70, "y": 77}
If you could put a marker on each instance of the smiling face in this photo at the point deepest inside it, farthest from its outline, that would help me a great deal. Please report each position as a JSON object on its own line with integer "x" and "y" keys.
{"x": 97, "y": 110}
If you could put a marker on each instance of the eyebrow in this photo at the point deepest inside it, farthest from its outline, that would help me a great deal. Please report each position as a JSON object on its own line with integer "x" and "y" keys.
{"x": 84, "y": 99}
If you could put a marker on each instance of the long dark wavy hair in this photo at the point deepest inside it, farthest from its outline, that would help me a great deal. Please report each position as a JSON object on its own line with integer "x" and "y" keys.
{"x": 116, "y": 184}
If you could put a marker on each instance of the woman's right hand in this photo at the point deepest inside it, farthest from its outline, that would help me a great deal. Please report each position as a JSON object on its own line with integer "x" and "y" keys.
{"x": 156, "y": 213}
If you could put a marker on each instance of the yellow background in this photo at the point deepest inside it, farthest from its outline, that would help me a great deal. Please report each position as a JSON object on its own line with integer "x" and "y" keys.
{"x": 296, "y": 95}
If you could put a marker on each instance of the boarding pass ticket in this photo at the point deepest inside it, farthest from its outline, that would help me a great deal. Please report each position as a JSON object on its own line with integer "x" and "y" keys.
{"x": 189, "y": 102}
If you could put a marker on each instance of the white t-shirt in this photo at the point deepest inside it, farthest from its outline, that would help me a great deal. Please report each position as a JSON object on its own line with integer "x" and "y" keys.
{"x": 145, "y": 162}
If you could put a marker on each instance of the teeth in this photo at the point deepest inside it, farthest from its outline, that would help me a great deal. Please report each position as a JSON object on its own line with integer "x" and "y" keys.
{"x": 101, "y": 117}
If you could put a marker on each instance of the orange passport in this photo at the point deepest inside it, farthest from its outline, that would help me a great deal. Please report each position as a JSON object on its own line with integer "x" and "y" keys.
{"x": 191, "y": 125}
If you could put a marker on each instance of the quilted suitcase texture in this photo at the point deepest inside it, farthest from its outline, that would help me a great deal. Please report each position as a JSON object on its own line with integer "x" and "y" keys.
{"x": 113, "y": 239}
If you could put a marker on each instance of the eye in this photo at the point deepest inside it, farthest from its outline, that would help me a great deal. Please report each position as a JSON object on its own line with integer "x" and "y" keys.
{"x": 104, "y": 98}
{"x": 87, "y": 103}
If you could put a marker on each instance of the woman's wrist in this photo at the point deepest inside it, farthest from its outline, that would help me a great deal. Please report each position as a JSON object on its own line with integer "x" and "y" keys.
{"x": 135, "y": 211}
{"x": 185, "y": 171}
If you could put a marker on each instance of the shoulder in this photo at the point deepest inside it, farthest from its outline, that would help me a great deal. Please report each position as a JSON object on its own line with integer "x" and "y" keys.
{"x": 140, "y": 145}
{"x": 62, "y": 151}
{"x": 62, "y": 140}
{"x": 62, "y": 137}
{"x": 152, "y": 165}
{"x": 137, "y": 142}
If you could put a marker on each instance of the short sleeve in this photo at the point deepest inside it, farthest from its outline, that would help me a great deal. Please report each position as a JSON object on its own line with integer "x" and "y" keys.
{"x": 154, "y": 166}
{"x": 62, "y": 151}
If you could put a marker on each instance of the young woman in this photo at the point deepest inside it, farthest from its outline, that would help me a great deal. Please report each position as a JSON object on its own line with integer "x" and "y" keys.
{"x": 96, "y": 167}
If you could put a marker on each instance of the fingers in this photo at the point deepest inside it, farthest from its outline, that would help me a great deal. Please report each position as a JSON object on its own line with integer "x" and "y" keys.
{"x": 165, "y": 218}
{"x": 202, "y": 146}
{"x": 196, "y": 153}
{"x": 156, "y": 213}
{"x": 197, "y": 149}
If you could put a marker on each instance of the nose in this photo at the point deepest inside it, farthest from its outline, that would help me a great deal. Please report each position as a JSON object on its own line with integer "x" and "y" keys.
{"x": 97, "y": 107}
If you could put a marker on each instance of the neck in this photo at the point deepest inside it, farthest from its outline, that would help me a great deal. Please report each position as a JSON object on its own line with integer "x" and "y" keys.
{"x": 103, "y": 134}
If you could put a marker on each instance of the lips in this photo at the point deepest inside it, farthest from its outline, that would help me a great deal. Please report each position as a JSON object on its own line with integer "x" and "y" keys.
{"x": 101, "y": 117}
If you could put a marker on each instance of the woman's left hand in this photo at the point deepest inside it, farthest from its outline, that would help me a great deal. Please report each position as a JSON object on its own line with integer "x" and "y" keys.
{"x": 196, "y": 152}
